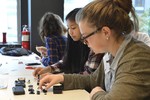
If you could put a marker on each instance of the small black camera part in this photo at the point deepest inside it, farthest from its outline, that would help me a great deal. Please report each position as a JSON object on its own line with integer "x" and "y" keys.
{"x": 44, "y": 91}
{"x": 22, "y": 79}
{"x": 20, "y": 83}
{"x": 57, "y": 89}
{"x": 18, "y": 90}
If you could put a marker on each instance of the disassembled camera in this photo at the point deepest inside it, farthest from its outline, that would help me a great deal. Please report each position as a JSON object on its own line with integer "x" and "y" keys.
{"x": 18, "y": 89}
{"x": 20, "y": 82}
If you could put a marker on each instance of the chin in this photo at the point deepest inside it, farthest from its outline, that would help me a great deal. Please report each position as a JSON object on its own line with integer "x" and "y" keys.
{"x": 75, "y": 40}
{"x": 96, "y": 52}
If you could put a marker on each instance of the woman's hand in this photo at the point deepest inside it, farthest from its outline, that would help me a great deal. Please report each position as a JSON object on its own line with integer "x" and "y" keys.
{"x": 41, "y": 70}
{"x": 42, "y": 50}
{"x": 95, "y": 90}
{"x": 50, "y": 80}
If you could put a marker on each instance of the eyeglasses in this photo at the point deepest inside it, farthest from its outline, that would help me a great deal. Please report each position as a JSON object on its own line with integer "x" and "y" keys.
{"x": 83, "y": 39}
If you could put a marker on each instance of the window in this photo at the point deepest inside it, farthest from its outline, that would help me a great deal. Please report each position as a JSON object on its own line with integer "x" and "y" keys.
{"x": 142, "y": 8}
{"x": 72, "y": 4}
{"x": 9, "y": 20}
{"x": 139, "y": 5}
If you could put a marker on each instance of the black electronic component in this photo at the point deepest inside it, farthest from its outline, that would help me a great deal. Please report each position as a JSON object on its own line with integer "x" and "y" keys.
{"x": 21, "y": 79}
{"x": 58, "y": 89}
{"x": 30, "y": 88}
{"x": 38, "y": 92}
{"x": 18, "y": 90}
{"x": 31, "y": 64}
{"x": 38, "y": 80}
{"x": 45, "y": 91}
{"x": 20, "y": 83}
{"x": 32, "y": 91}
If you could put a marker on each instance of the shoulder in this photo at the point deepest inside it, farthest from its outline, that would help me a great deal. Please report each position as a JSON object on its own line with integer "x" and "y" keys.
{"x": 144, "y": 37}
{"x": 136, "y": 47}
{"x": 136, "y": 54}
{"x": 142, "y": 34}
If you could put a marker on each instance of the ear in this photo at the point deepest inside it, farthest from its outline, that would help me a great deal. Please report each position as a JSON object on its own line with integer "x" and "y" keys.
{"x": 107, "y": 31}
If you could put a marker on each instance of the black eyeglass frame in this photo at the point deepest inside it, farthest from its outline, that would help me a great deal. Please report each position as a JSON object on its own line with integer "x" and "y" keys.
{"x": 83, "y": 38}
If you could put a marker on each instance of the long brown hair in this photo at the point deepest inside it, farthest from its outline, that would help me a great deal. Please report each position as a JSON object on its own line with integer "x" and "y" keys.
{"x": 51, "y": 23}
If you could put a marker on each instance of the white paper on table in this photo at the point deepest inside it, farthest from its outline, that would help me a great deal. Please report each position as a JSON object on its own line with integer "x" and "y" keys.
{"x": 3, "y": 81}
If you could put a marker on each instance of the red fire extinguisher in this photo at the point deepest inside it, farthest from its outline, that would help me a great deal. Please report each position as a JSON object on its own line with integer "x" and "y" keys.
{"x": 25, "y": 37}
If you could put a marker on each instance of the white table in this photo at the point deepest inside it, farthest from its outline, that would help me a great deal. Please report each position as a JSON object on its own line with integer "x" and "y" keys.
{"x": 16, "y": 68}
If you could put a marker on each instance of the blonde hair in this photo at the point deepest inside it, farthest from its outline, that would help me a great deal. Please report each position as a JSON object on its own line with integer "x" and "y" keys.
{"x": 111, "y": 13}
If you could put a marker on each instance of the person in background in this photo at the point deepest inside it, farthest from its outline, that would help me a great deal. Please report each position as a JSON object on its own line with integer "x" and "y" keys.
{"x": 105, "y": 26}
{"x": 51, "y": 30}
{"x": 141, "y": 36}
{"x": 78, "y": 58}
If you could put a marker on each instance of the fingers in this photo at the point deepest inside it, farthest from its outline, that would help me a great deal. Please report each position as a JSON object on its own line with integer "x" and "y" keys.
{"x": 50, "y": 84}
{"x": 45, "y": 70}
{"x": 41, "y": 70}
{"x": 36, "y": 71}
{"x": 38, "y": 49}
{"x": 41, "y": 49}
{"x": 44, "y": 54}
{"x": 95, "y": 90}
{"x": 44, "y": 80}
{"x": 43, "y": 75}
{"x": 50, "y": 80}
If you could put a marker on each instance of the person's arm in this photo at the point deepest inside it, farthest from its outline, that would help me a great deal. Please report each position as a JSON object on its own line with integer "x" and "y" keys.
{"x": 75, "y": 81}
{"x": 57, "y": 67}
{"x": 49, "y": 69}
{"x": 78, "y": 81}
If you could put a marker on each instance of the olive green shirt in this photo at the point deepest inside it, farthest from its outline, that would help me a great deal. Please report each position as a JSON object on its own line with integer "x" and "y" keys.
{"x": 131, "y": 80}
